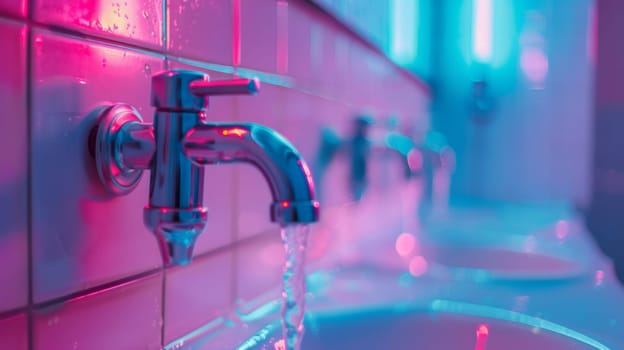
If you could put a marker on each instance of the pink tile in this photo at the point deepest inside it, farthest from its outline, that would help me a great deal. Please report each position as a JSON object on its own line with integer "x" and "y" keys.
{"x": 82, "y": 236}
{"x": 254, "y": 202}
{"x": 133, "y": 21}
{"x": 259, "y": 266}
{"x": 219, "y": 182}
{"x": 14, "y": 7}
{"x": 127, "y": 316}
{"x": 13, "y": 139}
{"x": 200, "y": 30}
{"x": 361, "y": 80}
{"x": 259, "y": 35}
{"x": 14, "y": 332}
{"x": 198, "y": 293}
{"x": 300, "y": 55}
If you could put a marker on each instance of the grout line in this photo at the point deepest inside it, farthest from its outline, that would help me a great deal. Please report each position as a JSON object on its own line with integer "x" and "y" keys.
{"x": 99, "y": 288}
{"x": 28, "y": 48}
{"x": 13, "y": 17}
{"x": 163, "y": 291}
{"x": 14, "y": 312}
{"x": 165, "y": 24}
{"x": 259, "y": 237}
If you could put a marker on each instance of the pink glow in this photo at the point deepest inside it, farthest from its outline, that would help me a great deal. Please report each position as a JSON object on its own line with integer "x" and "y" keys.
{"x": 279, "y": 345}
{"x": 238, "y": 132}
{"x": 282, "y": 36}
{"x": 272, "y": 255}
{"x": 534, "y": 64}
{"x": 305, "y": 168}
{"x": 482, "y": 30}
{"x": 285, "y": 204}
{"x": 319, "y": 243}
{"x": 415, "y": 160}
{"x": 405, "y": 244}
{"x": 562, "y": 228}
{"x": 418, "y": 266}
{"x": 236, "y": 32}
{"x": 483, "y": 332}
{"x": 599, "y": 277}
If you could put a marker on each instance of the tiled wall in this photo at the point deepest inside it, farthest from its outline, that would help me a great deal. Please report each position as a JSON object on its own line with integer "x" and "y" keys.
{"x": 79, "y": 270}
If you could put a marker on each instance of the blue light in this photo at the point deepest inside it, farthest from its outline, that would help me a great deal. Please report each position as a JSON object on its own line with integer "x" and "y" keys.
{"x": 482, "y": 30}
{"x": 403, "y": 29}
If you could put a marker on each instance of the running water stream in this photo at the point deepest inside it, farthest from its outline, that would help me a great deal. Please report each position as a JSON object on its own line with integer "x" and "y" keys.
{"x": 295, "y": 239}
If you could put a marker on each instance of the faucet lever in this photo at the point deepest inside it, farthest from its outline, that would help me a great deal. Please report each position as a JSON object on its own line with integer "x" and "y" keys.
{"x": 225, "y": 87}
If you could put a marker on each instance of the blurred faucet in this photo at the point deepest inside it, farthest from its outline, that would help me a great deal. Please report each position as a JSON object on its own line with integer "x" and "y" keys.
{"x": 175, "y": 149}
{"x": 360, "y": 148}
{"x": 433, "y": 161}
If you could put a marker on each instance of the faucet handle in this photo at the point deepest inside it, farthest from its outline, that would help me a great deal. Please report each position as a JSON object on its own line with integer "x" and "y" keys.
{"x": 187, "y": 90}
{"x": 225, "y": 87}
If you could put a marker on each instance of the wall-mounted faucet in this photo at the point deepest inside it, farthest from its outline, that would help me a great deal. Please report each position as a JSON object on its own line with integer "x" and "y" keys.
{"x": 175, "y": 149}
{"x": 360, "y": 147}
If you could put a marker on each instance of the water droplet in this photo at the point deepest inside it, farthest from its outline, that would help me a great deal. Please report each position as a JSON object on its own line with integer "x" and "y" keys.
{"x": 147, "y": 69}
{"x": 75, "y": 345}
{"x": 145, "y": 14}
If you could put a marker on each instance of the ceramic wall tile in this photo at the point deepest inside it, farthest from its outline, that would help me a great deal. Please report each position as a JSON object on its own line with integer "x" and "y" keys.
{"x": 14, "y": 332}
{"x": 83, "y": 236}
{"x": 203, "y": 30}
{"x": 13, "y": 169}
{"x": 126, "y": 316}
{"x": 198, "y": 293}
{"x": 14, "y": 7}
{"x": 300, "y": 55}
{"x": 259, "y": 268}
{"x": 260, "y": 36}
{"x": 134, "y": 21}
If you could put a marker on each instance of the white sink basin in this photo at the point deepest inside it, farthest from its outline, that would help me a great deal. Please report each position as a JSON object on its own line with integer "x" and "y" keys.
{"x": 446, "y": 325}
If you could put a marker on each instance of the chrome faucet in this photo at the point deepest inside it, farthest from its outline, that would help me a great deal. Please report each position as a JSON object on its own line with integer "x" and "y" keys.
{"x": 360, "y": 147}
{"x": 175, "y": 149}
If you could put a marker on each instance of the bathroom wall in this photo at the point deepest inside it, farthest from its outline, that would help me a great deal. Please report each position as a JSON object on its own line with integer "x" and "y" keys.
{"x": 604, "y": 217}
{"x": 529, "y": 136}
{"x": 79, "y": 270}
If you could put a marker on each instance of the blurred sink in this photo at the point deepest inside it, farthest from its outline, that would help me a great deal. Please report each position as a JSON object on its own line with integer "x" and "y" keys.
{"x": 446, "y": 325}
{"x": 500, "y": 263}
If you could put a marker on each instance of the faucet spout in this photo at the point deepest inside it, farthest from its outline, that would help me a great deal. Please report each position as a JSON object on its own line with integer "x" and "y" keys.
{"x": 286, "y": 172}
{"x": 175, "y": 148}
